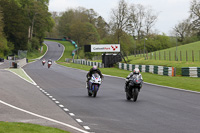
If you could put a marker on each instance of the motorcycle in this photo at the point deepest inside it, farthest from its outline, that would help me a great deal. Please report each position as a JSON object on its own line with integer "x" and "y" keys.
{"x": 49, "y": 64}
{"x": 94, "y": 84}
{"x": 43, "y": 62}
{"x": 133, "y": 87}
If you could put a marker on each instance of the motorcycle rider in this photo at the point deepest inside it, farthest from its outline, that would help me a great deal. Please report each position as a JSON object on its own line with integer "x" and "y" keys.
{"x": 50, "y": 61}
{"x": 93, "y": 70}
{"x": 43, "y": 61}
{"x": 135, "y": 72}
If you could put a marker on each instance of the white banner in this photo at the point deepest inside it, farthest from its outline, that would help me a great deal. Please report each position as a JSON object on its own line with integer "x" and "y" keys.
{"x": 105, "y": 48}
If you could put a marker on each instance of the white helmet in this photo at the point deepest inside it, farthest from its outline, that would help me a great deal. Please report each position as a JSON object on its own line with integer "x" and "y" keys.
{"x": 136, "y": 71}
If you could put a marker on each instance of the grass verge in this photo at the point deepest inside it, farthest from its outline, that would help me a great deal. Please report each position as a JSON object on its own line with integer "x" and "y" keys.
{"x": 11, "y": 127}
{"x": 31, "y": 56}
{"x": 21, "y": 73}
{"x": 186, "y": 83}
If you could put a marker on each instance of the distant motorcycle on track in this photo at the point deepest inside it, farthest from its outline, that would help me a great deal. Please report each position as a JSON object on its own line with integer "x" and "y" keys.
{"x": 49, "y": 63}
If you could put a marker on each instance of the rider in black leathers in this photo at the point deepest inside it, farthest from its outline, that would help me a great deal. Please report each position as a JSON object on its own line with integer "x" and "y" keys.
{"x": 136, "y": 71}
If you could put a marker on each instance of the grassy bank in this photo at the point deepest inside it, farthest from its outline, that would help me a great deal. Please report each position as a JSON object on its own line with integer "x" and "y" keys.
{"x": 186, "y": 83}
{"x": 36, "y": 53}
{"x": 10, "y": 127}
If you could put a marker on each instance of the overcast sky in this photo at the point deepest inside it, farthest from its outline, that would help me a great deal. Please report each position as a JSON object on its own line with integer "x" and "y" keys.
{"x": 171, "y": 12}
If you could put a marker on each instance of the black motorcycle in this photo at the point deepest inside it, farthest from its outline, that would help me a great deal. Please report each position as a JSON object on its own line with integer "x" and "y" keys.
{"x": 132, "y": 89}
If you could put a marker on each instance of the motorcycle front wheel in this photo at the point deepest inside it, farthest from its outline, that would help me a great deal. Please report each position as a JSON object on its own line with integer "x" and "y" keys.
{"x": 95, "y": 90}
{"x": 127, "y": 96}
{"x": 89, "y": 93}
{"x": 135, "y": 94}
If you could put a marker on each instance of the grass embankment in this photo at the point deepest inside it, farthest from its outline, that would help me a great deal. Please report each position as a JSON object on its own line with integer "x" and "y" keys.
{"x": 31, "y": 56}
{"x": 9, "y": 127}
{"x": 177, "y": 64}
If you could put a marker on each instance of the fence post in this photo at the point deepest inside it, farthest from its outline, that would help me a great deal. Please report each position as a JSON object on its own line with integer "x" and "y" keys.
{"x": 186, "y": 56}
{"x": 175, "y": 55}
{"x": 164, "y": 56}
{"x": 155, "y": 55}
{"x": 159, "y": 55}
{"x": 169, "y": 55}
{"x": 180, "y": 56}
{"x": 192, "y": 55}
{"x": 147, "y": 55}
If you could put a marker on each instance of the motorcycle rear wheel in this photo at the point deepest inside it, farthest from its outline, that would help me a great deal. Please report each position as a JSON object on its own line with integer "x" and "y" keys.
{"x": 127, "y": 96}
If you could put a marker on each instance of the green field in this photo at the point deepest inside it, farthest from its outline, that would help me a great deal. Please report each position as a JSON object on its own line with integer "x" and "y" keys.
{"x": 11, "y": 127}
{"x": 183, "y": 53}
{"x": 140, "y": 60}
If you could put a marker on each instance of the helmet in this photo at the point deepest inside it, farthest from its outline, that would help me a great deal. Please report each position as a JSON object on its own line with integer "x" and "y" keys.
{"x": 136, "y": 71}
{"x": 94, "y": 68}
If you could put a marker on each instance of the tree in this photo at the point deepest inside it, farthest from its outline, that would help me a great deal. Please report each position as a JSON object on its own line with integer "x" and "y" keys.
{"x": 102, "y": 27}
{"x": 137, "y": 19}
{"x": 195, "y": 13}
{"x": 120, "y": 18}
{"x": 183, "y": 30}
{"x": 150, "y": 20}
{"x": 3, "y": 42}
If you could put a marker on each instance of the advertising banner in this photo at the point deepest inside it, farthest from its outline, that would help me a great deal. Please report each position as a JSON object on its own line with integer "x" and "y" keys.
{"x": 105, "y": 48}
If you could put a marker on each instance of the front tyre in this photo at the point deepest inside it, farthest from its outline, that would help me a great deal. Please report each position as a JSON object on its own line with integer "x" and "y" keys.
{"x": 127, "y": 96}
{"x": 89, "y": 93}
{"x": 95, "y": 90}
{"x": 135, "y": 94}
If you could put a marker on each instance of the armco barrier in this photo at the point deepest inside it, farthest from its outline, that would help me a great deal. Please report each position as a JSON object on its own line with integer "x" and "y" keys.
{"x": 191, "y": 71}
{"x": 161, "y": 70}
{"x": 88, "y": 63}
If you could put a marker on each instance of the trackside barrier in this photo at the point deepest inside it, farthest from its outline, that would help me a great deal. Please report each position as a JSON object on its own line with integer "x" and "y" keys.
{"x": 88, "y": 63}
{"x": 191, "y": 71}
{"x": 161, "y": 70}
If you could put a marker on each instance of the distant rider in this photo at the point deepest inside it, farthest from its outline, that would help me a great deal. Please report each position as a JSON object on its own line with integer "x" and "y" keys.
{"x": 50, "y": 61}
{"x": 93, "y": 70}
{"x": 135, "y": 72}
{"x": 43, "y": 61}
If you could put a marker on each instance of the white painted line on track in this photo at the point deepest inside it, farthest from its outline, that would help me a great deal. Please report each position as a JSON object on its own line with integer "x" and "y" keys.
{"x": 79, "y": 120}
{"x": 57, "y": 102}
{"x": 38, "y": 86}
{"x": 53, "y": 99}
{"x": 72, "y": 114}
{"x": 86, "y": 127}
{"x": 51, "y": 96}
{"x": 65, "y": 109}
{"x": 29, "y": 77}
{"x": 43, "y": 117}
{"x": 61, "y": 106}
{"x": 47, "y": 94}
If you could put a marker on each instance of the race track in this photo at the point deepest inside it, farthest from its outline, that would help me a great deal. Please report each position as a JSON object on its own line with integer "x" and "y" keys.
{"x": 158, "y": 109}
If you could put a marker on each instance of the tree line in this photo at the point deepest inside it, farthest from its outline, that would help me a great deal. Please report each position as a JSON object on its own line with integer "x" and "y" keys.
{"x": 23, "y": 25}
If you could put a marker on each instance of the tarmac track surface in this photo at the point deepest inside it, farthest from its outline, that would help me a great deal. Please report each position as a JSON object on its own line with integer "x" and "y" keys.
{"x": 158, "y": 109}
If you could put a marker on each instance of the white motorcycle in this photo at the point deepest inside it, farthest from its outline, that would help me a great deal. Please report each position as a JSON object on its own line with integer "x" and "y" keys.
{"x": 94, "y": 84}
